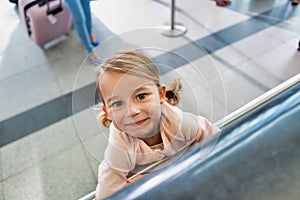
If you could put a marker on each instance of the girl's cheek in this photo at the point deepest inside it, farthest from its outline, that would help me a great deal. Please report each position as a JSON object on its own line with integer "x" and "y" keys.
{"x": 155, "y": 108}
{"x": 115, "y": 116}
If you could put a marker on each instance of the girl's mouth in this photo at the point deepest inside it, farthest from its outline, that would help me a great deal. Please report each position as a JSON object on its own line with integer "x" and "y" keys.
{"x": 138, "y": 123}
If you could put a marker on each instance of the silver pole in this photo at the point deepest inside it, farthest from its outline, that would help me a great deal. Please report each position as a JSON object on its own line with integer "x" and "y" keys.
{"x": 172, "y": 14}
{"x": 174, "y": 29}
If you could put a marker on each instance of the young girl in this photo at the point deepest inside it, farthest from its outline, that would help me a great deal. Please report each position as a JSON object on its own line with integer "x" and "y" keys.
{"x": 144, "y": 124}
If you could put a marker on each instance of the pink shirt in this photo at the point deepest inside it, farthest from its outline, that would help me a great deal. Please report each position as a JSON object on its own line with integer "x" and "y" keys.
{"x": 124, "y": 152}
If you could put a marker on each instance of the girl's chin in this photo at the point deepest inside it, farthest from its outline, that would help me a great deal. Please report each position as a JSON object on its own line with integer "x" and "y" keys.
{"x": 142, "y": 132}
{"x": 140, "y": 135}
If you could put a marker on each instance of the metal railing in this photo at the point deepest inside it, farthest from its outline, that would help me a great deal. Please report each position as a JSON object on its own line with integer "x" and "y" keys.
{"x": 258, "y": 101}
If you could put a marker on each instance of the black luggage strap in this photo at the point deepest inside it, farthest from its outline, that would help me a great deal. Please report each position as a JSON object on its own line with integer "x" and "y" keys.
{"x": 40, "y": 3}
{"x": 56, "y": 10}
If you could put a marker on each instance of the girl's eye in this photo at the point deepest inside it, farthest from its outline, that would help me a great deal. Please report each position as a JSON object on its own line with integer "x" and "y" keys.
{"x": 116, "y": 104}
{"x": 141, "y": 96}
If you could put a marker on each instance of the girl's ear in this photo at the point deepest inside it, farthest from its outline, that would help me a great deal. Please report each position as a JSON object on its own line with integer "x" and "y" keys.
{"x": 162, "y": 93}
{"x": 105, "y": 111}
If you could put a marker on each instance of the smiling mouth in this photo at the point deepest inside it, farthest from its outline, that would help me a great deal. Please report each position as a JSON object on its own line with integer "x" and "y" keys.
{"x": 138, "y": 123}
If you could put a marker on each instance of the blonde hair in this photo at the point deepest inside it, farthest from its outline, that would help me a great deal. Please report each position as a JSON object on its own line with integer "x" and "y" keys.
{"x": 137, "y": 64}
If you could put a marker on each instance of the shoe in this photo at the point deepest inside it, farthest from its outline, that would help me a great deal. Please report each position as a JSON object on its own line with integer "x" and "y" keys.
{"x": 223, "y": 2}
{"x": 93, "y": 61}
{"x": 295, "y": 2}
{"x": 94, "y": 40}
{"x": 95, "y": 43}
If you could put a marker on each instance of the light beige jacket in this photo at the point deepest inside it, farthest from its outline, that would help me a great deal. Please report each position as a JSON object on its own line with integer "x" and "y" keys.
{"x": 125, "y": 152}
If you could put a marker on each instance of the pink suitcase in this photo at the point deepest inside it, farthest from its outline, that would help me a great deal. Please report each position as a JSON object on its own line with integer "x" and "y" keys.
{"x": 45, "y": 20}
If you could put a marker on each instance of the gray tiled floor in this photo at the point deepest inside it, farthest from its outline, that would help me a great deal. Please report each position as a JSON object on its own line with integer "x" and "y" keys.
{"x": 60, "y": 161}
{"x": 19, "y": 101}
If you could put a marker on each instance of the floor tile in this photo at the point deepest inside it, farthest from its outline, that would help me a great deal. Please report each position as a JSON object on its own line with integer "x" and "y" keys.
{"x": 0, "y": 166}
{"x": 1, "y": 183}
{"x": 284, "y": 63}
{"x": 142, "y": 14}
{"x": 294, "y": 43}
{"x": 291, "y": 24}
{"x": 259, "y": 74}
{"x": 70, "y": 74}
{"x": 23, "y": 92}
{"x": 280, "y": 33}
{"x": 192, "y": 6}
{"x": 236, "y": 90}
{"x": 95, "y": 148}
{"x": 255, "y": 7}
{"x": 1, "y": 191}
{"x": 195, "y": 73}
{"x": 69, "y": 46}
{"x": 91, "y": 133}
{"x": 201, "y": 101}
{"x": 17, "y": 157}
{"x": 256, "y": 44}
{"x": 233, "y": 55}
{"x": 136, "y": 39}
{"x": 229, "y": 55}
{"x": 65, "y": 176}
{"x": 196, "y": 96}
{"x": 218, "y": 18}
{"x": 8, "y": 11}
{"x": 13, "y": 34}
{"x": 34, "y": 57}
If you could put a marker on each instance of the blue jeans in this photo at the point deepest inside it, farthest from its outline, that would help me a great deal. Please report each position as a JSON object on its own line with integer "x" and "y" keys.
{"x": 82, "y": 19}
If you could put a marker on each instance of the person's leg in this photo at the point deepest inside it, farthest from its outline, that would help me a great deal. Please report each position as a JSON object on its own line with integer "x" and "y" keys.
{"x": 87, "y": 10}
{"x": 79, "y": 20}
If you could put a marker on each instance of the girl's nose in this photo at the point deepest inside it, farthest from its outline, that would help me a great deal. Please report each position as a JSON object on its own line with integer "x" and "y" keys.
{"x": 133, "y": 109}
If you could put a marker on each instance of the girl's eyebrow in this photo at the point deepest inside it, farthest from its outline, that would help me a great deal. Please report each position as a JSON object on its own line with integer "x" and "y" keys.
{"x": 144, "y": 87}
{"x": 112, "y": 98}
{"x": 141, "y": 89}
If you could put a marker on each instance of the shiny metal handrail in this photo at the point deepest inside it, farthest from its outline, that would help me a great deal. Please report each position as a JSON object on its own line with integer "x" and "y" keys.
{"x": 90, "y": 196}
{"x": 258, "y": 101}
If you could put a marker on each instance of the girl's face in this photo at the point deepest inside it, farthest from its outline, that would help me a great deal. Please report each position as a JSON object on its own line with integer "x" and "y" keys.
{"x": 132, "y": 103}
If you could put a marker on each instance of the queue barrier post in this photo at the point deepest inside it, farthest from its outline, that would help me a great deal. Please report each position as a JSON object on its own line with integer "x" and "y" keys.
{"x": 174, "y": 29}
